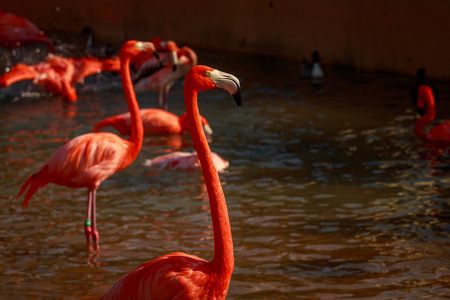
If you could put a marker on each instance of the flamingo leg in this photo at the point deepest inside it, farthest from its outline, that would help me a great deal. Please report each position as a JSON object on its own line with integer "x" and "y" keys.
{"x": 160, "y": 98}
{"x": 88, "y": 222}
{"x": 166, "y": 93}
{"x": 95, "y": 235}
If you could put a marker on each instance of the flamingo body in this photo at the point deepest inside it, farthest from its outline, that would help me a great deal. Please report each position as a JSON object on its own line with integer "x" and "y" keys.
{"x": 185, "y": 161}
{"x": 178, "y": 275}
{"x": 156, "y": 122}
{"x": 172, "y": 276}
{"x": 440, "y": 132}
{"x": 83, "y": 162}
{"x": 16, "y": 31}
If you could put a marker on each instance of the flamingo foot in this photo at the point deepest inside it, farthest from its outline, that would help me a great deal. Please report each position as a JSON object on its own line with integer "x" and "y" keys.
{"x": 96, "y": 239}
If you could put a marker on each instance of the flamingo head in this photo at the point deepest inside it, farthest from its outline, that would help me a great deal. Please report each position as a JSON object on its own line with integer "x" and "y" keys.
{"x": 133, "y": 48}
{"x": 184, "y": 124}
{"x": 202, "y": 78}
{"x": 190, "y": 54}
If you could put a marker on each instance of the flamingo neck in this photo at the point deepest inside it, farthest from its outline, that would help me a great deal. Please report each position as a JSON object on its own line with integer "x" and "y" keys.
{"x": 223, "y": 260}
{"x": 137, "y": 128}
{"x": 425, "y": 95}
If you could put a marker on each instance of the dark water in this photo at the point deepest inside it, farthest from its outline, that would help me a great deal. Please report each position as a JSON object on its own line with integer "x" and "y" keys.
{"x": 330, "y": 194}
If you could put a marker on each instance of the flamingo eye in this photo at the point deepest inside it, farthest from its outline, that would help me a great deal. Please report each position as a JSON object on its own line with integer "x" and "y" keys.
{"x": 208, "y": 73}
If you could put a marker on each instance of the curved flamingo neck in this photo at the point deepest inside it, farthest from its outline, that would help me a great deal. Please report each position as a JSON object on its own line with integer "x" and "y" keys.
{"x": 137, "y": 127}
{"x": 425, "y": 97}
{"x": 223, "y": 260}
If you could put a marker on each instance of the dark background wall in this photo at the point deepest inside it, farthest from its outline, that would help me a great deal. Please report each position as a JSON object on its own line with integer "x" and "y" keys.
{"x": 396, "y": 36}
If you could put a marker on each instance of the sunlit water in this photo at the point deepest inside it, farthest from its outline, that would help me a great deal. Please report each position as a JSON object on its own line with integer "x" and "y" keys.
{"x": 330, "y": 194}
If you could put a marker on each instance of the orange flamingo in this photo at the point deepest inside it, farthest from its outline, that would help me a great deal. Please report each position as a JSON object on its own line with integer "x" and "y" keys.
{"x": 89, "y": 159}
{"x": 16, "y": 31}
{"x": 156, "y": 122}
{"x": 179, "y": 275}
{"x": 58, "y": 75}
{"x": 426, "y": 106}
{"x": 185, "y": 161}
{"x": 161, "y": 75}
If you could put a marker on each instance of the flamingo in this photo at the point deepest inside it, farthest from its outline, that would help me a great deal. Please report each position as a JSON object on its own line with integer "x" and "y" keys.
{"x": 89, "y": 159}
{"x": 179, "y": 275}
{"x": 16, "y": 31}
{"x": 426, "y": 106}
{"x": 153, "y": 75}
{"x": 185, "y": 161}
{"x": 58, "y": 75}
{"x": 156, "y": 122}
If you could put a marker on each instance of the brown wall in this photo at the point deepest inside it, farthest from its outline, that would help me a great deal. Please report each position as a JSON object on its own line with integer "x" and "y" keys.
{"x": 387, "y": 35}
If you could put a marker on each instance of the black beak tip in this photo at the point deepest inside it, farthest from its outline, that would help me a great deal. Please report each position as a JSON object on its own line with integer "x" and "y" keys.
{"x": 174, "y": 68}
{"x": 237, "y": 98}
{"x": 155, "y": 53}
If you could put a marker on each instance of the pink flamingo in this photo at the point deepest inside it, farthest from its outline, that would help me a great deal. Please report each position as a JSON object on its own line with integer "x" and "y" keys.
{"x": 156, "y": 122}
{"x": 160, "y": 76}
{"x": 58, "y": 75}
{"x": 185, "y": 161}
{"x": 179, "y": 275}
{"x": 89, "y": 159}
{"x": 16, "y": 31}
{"x": 426, "y": 105}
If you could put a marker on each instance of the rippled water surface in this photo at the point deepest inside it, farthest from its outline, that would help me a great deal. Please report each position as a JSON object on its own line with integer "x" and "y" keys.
{"x": 330, "y": 194}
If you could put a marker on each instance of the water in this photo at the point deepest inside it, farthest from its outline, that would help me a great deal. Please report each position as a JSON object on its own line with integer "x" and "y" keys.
{"x": 330, "y": 194}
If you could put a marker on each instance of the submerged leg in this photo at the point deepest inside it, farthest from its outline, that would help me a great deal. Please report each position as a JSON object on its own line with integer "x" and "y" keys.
{"x": 88, "y": 222}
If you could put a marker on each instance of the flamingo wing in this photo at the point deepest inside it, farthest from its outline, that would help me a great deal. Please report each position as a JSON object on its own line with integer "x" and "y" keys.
{"x": 88, "y": 159}
{"x": 89, "y": 66}
{"x": 18, "y": 73}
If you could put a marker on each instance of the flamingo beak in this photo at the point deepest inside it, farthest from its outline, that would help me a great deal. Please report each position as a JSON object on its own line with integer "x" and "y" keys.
{"x": 207, "y": 129}
{"x": 229, "y": 83}
{"x": 146, "y": 46}
{"x": 174, "y": 59}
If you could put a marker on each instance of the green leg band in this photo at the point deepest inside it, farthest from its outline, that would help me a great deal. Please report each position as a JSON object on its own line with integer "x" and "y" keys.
{"x": 87, "y": 223}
